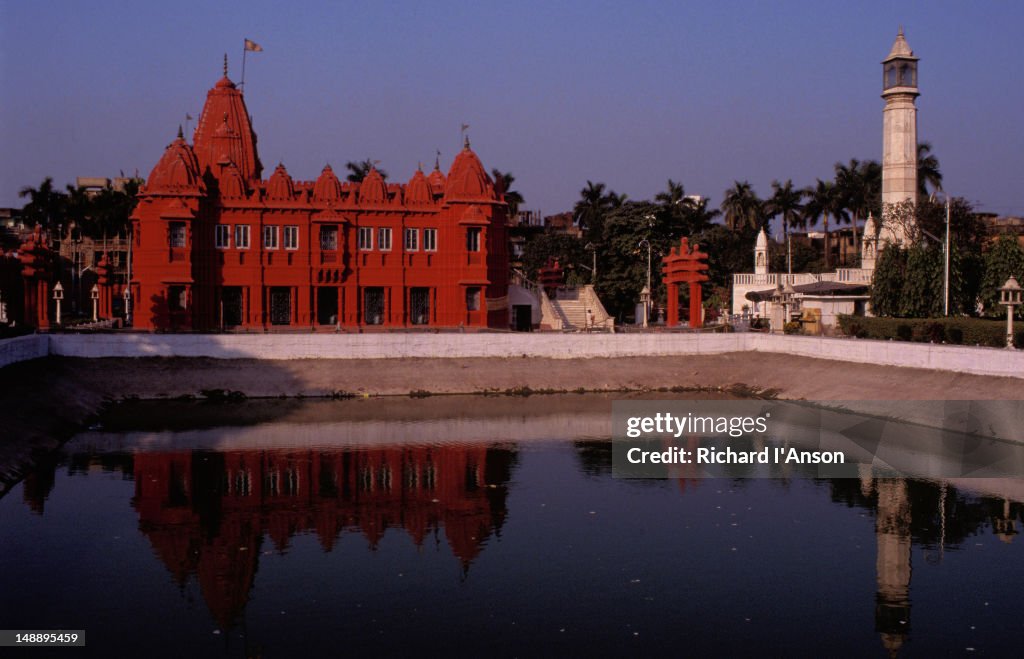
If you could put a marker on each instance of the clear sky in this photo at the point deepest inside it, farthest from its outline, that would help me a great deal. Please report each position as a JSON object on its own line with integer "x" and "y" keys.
{"x": 627, "y": 93}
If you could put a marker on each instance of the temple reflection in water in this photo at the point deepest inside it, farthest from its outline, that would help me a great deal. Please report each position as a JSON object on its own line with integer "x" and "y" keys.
{"x": 210, "y": 515}
{"x": 206, "y": 512}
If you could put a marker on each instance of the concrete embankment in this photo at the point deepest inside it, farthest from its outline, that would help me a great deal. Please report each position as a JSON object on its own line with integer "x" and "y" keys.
{"x": 44, "y": 401}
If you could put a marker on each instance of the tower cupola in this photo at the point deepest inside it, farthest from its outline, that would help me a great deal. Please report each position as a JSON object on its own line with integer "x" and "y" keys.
{"x": 899, "y": 69}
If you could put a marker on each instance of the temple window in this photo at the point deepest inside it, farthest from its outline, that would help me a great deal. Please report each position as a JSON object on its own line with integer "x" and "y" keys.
{"x": 329, "y": 238}
{"x": 430, "y": 240}
{"x": 291, "y": 237}
{"x": 242, "y": 236}
{"x": 365, "y": 238}
{"x": 412, "y": 240}
{"x": 270, "y": 237}
{"x": 176, "y": 235}
{"x": 384, "y": 239}
{"x": 473, "y": 239}
{"x": 222, "y": 236}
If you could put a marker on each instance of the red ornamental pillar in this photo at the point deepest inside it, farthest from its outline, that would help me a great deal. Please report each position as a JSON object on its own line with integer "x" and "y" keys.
{"x": 673, "y": 304}
{"x": 106, "y": 302}
{"x": 35, "y": 257}
{"x": 683, "y": 265}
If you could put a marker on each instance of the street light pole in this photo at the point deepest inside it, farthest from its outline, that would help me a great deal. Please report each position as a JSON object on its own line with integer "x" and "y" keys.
{"x": 945, "y": 279}
{"x": 647, "y": 303}
{"x": 593, "y": 269}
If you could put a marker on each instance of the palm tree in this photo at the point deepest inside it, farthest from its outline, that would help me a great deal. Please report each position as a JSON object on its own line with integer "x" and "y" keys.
{"x": 358, "y": 170}
{"x": 785, "y": 203}
{"x": 741, "y": 207}
{"x": 673, "y": 197}
{"x": 590, "y": 209}
{"x": 512, "y": 197}
{"x": 860, "y": 184}
{"x": 928, "y": 172}
{"x": 46, "y": 206}
{"x": 825, "y": 200}
{"x": 700, "y": 217}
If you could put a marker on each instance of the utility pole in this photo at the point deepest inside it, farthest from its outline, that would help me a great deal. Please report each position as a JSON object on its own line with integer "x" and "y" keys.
{"x": 945, "y": 307}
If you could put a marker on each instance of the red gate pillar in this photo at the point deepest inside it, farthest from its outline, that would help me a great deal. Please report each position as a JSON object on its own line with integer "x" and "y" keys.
{"x": 673, "y": 304}
{"x": 696, "y": 305}
{"x": 683, "y": 265}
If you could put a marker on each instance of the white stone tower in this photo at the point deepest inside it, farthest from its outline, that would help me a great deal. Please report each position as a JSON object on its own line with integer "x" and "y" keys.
{"x": 899, "y": 142}
{"x": 761, "y": 254}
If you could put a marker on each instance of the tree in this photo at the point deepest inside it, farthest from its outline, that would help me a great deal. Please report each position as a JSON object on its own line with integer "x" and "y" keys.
{"x": 512, "y": 197}
{"x": 1004, "y": 258}
{"x": 728, "y": 252}
{"x": 887, "y": 282}
{"x": 824, "y": 200}
{"x": 742, "y": 208}
{"x": 358, "y": 170}
{"x": 623, "y": 261}
{"x": 592, "y": 207}
{"x": 860, "y": 184}
{"x": 568, "y": 250}
{"x": 110, "y": 211}
{"x": 46, "y": 206}
{"x": 699, "y": 218}
{"x": 920, "y": 283}
{"x": 785, "y": 204}
{"x": 928, "y": 172}
{"x": 922, "y": 286}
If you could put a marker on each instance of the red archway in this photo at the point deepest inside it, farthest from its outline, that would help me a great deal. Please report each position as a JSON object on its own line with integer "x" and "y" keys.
{"x": 685, "y": 266}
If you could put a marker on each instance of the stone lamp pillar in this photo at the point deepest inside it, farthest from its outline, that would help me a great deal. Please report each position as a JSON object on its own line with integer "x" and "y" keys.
{"x": 58, "y": 296}
{"x": 1010, "y": 297}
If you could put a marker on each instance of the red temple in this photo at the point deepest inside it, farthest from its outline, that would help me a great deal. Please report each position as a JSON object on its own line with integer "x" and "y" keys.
{"x": 215, "y": 246}
{"x": 685, "y": 266}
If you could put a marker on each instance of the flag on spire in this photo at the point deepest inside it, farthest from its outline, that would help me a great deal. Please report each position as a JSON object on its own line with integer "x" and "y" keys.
{"x": 252, "y": 46}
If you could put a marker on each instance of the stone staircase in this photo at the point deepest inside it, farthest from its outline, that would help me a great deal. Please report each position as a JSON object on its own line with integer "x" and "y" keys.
{"x": 579, "y": 310}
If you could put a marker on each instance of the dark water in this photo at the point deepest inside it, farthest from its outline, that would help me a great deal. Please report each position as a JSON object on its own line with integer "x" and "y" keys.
{"x": 286, "y": 530}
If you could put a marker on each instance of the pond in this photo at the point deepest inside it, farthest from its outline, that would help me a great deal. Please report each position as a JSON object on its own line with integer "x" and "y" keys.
{"x": 483, "y": 526}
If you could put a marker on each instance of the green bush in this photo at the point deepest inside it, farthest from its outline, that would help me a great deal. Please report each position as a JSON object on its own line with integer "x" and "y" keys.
{"x": 966, "y": 331}
{"x": 792, "y": 327}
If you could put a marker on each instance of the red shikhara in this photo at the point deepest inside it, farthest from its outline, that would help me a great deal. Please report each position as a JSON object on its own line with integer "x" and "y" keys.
{"x": 215, "y": 246}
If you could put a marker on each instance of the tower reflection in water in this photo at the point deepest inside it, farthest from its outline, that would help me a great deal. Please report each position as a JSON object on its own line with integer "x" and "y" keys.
{"x": 206, "y": 513}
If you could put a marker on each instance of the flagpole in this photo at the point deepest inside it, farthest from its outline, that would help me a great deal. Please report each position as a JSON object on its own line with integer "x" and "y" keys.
{"x": 241, "y": 83}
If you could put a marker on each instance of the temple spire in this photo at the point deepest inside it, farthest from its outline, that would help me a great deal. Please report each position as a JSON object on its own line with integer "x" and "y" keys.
{"x": 181, "y": 134}
{"x": 225, "y": 65}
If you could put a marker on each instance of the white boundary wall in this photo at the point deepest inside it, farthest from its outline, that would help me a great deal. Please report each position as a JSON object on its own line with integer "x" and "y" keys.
{"x": 979, "y": 361}
{"x": 23, "y": 348}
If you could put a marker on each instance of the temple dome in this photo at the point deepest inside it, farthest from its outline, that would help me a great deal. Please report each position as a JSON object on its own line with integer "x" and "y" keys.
{"x": 177, "y": 171}
{"x": 280, "y": 185}
{"x": 762, "y": 240}
{"x": 372, "y": 189}
{"x": 327, "y": 187}
{"x": 436, "y": 180}
{"x": 417, "y": 191}
{"x": 231, "y": 184}
{"x": 467, "y": 179}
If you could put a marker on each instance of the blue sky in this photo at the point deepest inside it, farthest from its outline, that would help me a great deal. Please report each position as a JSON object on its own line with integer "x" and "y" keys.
{"x": 627, "y": 93}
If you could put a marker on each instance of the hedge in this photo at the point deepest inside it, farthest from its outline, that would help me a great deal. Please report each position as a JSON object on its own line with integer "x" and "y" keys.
{"x": 959, "y": 331}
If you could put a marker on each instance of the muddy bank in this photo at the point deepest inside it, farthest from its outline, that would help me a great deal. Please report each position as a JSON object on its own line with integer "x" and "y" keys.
{"x": 45, "y": 401}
